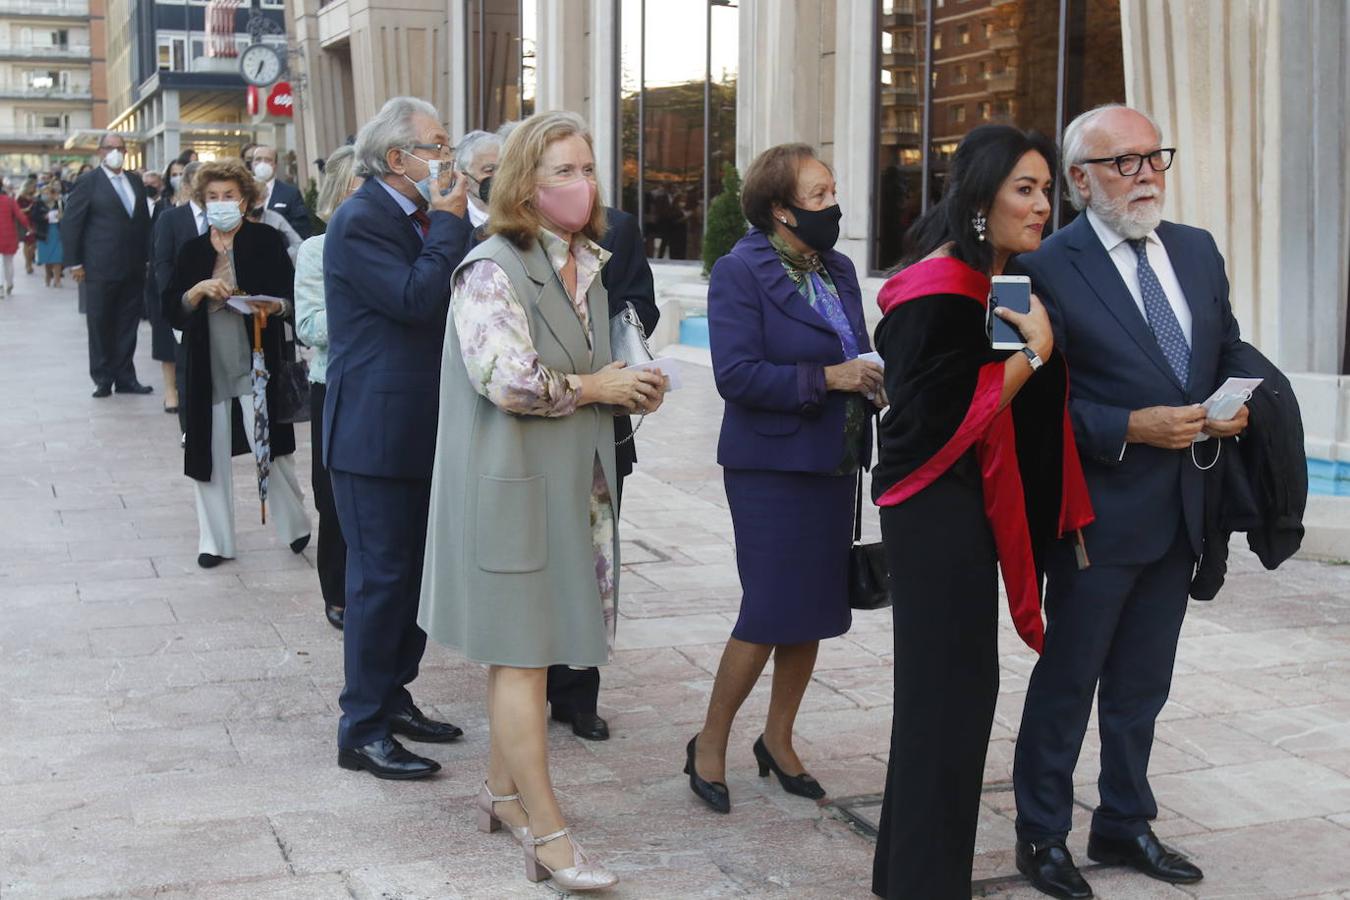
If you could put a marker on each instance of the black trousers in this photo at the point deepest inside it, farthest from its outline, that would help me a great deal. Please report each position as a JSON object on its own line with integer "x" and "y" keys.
{"x": 1110, "y": 630}
{"x": 384, "y": 521}
{"x": 332, "y": 549}
{"x": 572, "y": 691}
{"x": 114, "y": 314}
{"x": 945, "y": 606}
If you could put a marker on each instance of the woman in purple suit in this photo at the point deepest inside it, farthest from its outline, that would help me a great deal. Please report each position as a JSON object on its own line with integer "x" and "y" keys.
{"x": 786, "y": 327}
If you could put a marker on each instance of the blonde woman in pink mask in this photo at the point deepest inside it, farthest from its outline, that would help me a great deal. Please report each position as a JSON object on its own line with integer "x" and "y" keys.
{"x": 522, "y": 552}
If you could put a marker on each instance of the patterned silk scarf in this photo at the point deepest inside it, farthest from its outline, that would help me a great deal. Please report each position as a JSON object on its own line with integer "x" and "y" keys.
{"x": 815, "y": 284}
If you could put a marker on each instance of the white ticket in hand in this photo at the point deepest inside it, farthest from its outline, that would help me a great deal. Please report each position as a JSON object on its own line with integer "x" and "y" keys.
{"x": 240, "y": 304}
{"x": 669, "y": 367}
{"x": 873, "y": 357}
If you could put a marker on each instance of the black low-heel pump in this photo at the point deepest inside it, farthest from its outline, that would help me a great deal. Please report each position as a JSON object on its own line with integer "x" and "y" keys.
{"x": 713, "y": 793}
{"x": 802, "y": 785}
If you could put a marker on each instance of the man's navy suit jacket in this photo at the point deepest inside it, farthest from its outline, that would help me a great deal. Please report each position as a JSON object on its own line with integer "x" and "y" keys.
{"x": 1116, "y": 366}
{"x": 387, "y": 293}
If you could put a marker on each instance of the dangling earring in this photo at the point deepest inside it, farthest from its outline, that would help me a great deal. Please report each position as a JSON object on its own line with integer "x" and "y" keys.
{"x": 979, "y": 222}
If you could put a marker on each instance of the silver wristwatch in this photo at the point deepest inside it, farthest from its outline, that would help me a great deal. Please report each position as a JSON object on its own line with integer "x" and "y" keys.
{"x": 1033, "y": 357}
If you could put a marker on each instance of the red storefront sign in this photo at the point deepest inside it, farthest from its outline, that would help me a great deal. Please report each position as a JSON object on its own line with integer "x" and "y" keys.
{"x": 280, "y": 101}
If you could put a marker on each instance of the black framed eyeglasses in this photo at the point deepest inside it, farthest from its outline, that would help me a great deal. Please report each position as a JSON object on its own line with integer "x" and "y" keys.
{"x": 1128, "y": 164}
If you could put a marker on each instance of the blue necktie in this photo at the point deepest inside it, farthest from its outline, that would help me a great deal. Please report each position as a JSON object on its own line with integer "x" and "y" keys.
{"x": 1160, "y": 316}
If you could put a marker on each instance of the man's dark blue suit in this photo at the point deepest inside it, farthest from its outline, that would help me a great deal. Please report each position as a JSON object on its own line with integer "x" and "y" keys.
{"x": 387, "y": 292}
{"x": 1114, "y": 626}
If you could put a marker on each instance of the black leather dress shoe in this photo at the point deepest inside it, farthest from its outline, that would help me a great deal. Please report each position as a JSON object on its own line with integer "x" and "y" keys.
{"x": 135, "y": 388}
{"x": 802, "y": 785}
{"x": 387, "y": 758}
{"x": 102, "y": 390}
{"x": 209, "y": 560}
{"x": 335, "y": 615}
{"x": 416, "y": 727}
{"x": 584, "y": 724}
{"x": 713, "y": 793}
{"x": 1147, "y": 854}
{"x": 1050, "y": 869}
{"x": 300, "y": 543}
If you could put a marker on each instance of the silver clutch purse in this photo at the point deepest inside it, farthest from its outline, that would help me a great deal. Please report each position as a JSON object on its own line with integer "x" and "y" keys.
{"x": 627, "y": 340}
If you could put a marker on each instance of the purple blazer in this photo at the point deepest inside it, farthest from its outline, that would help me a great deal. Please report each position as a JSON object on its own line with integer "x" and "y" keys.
{"x": 769, "y": 353}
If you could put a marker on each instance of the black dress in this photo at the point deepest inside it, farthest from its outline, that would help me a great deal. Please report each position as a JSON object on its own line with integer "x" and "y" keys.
{"x": 965, "y": 488}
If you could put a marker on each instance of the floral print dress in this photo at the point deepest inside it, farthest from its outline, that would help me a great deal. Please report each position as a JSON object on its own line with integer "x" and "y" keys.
{"x": 499, "y": 355}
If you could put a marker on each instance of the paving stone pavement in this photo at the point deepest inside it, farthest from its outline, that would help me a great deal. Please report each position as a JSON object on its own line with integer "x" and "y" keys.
{"x": 169, "y": 731}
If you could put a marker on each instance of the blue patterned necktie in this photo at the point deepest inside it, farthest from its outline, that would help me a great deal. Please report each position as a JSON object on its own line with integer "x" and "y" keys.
{"x": 1161, "y": 318}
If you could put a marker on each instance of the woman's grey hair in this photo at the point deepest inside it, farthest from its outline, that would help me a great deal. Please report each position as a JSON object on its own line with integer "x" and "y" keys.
{"x": 472, "y": 144}
{"x": 338, "y": 171}
{"x": 504, "y": 130}
{"x": 391, "y": 128}
{"x": 1074, "y": 149}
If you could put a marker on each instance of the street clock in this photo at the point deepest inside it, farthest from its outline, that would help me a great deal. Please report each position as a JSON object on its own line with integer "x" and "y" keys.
{"x": 261, "y": 64}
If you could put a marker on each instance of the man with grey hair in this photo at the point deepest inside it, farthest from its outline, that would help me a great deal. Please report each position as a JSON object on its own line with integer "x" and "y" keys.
{"x": 106, "y": 235}
{"x": 1141, "y": 312}
{"x": 388, "y": 255}
{"x": 476, "y": 158}
{"x": 279, "y": 196}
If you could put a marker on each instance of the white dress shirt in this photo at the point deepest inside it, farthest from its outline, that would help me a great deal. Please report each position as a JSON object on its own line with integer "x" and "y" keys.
{"x": 267, "y": 192}
{"x": 1127, "y": 263}
{"x": 477, "y": 217}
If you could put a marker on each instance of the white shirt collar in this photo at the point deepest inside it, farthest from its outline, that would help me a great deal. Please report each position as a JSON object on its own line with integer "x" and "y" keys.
{"x": 110, "y": 173}
{"x": 477, "y": 217}
{"x": 403, "y": 202}
{"x": 1110, "y": 238}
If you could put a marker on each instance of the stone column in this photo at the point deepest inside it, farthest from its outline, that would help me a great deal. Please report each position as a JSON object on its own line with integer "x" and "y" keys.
{"x": 779, "y": 94}
{"x": 854, "y": 137}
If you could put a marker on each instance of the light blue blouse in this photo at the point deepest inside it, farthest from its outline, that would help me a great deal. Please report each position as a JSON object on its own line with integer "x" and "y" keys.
{"x": 311, "y": 316}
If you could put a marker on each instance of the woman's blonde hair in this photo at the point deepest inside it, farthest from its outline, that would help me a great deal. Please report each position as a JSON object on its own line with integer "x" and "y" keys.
{"x": 511, "y": 210}
{"x": 338, "y": 171}
{"x": 226, "y": 170}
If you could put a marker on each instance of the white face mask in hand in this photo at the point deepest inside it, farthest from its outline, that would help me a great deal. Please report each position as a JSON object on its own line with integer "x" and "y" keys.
{"x": 431, "y": 182}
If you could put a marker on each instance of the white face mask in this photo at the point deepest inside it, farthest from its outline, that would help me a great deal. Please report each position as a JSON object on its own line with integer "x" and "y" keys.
{"x": 263, "y": 171}
{"x": 425, "y": 186}
{"x": 223, "y": 215}
{"x": 113, "y": 159}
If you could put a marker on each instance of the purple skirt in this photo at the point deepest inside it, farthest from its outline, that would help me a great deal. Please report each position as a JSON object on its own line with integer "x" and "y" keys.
{"x": 793, "y": 534}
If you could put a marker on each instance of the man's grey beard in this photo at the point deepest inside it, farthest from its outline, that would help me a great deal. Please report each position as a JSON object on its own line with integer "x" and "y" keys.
{"x": 1131, "y": 224}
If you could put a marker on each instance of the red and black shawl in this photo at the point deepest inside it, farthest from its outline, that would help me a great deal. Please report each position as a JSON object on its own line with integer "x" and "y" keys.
{"x": 944, "y": 384}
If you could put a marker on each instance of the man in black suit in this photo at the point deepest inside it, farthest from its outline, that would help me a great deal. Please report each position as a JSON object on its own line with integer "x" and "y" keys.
{"x": 174, "y": 227}
{"x": 106, "y": 236}
{"x": 277, "y": 194}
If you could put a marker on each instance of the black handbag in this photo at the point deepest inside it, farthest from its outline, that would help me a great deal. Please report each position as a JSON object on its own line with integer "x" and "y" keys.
{"x": 292, "y": 388}
{"x": 869, "y": 581}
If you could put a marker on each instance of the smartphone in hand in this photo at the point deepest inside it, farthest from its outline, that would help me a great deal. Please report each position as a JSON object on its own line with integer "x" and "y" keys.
{"x": 1013, "y": 292}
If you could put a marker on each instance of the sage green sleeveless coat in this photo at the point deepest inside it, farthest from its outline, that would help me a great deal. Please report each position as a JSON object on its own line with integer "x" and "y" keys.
{"x": 510, "y": 574}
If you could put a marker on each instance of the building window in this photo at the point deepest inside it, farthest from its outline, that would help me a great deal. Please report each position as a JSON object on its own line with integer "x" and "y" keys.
{"x": 677, "y": 114}
{"x": 1015, "y": 80}
{"x": 171, "y": 54}
{"x": 501, "y": 64}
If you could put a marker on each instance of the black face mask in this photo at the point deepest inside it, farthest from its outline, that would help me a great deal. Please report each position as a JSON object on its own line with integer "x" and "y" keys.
{"x": 483, "y": 187}
{"x": 152, "y": 192}
{"x": 817, "y": 228}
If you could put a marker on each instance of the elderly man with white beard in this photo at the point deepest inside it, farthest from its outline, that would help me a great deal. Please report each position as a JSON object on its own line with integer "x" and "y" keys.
{"x": 1140, "y": 309}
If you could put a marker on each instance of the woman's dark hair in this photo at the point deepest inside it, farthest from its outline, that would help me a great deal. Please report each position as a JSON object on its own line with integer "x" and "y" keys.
{"x": 982, "y": 162}
{"x": 772, "y": 178}
{"x": 167, "y": 190}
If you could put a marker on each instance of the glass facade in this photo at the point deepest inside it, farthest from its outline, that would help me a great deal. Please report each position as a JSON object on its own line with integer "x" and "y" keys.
{"x": 500, "y": 63}
{"x": 947, "y": 66}
{"x": 677, "y": 107}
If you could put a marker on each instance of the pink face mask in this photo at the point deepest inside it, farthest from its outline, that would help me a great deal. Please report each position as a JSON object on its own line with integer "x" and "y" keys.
{"x": 568, "y": 204}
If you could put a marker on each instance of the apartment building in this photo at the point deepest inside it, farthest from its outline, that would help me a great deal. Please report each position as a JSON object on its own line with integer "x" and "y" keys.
{"x": 52, "y": 82}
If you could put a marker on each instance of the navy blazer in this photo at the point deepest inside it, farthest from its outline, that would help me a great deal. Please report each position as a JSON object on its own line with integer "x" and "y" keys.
{"x": 387, "y": 293}
{"x": 769, "y": 353}
{"x": 287, "y": 200}
{"x": 1116, "y": 366}
{"x": 97, "y": 233}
